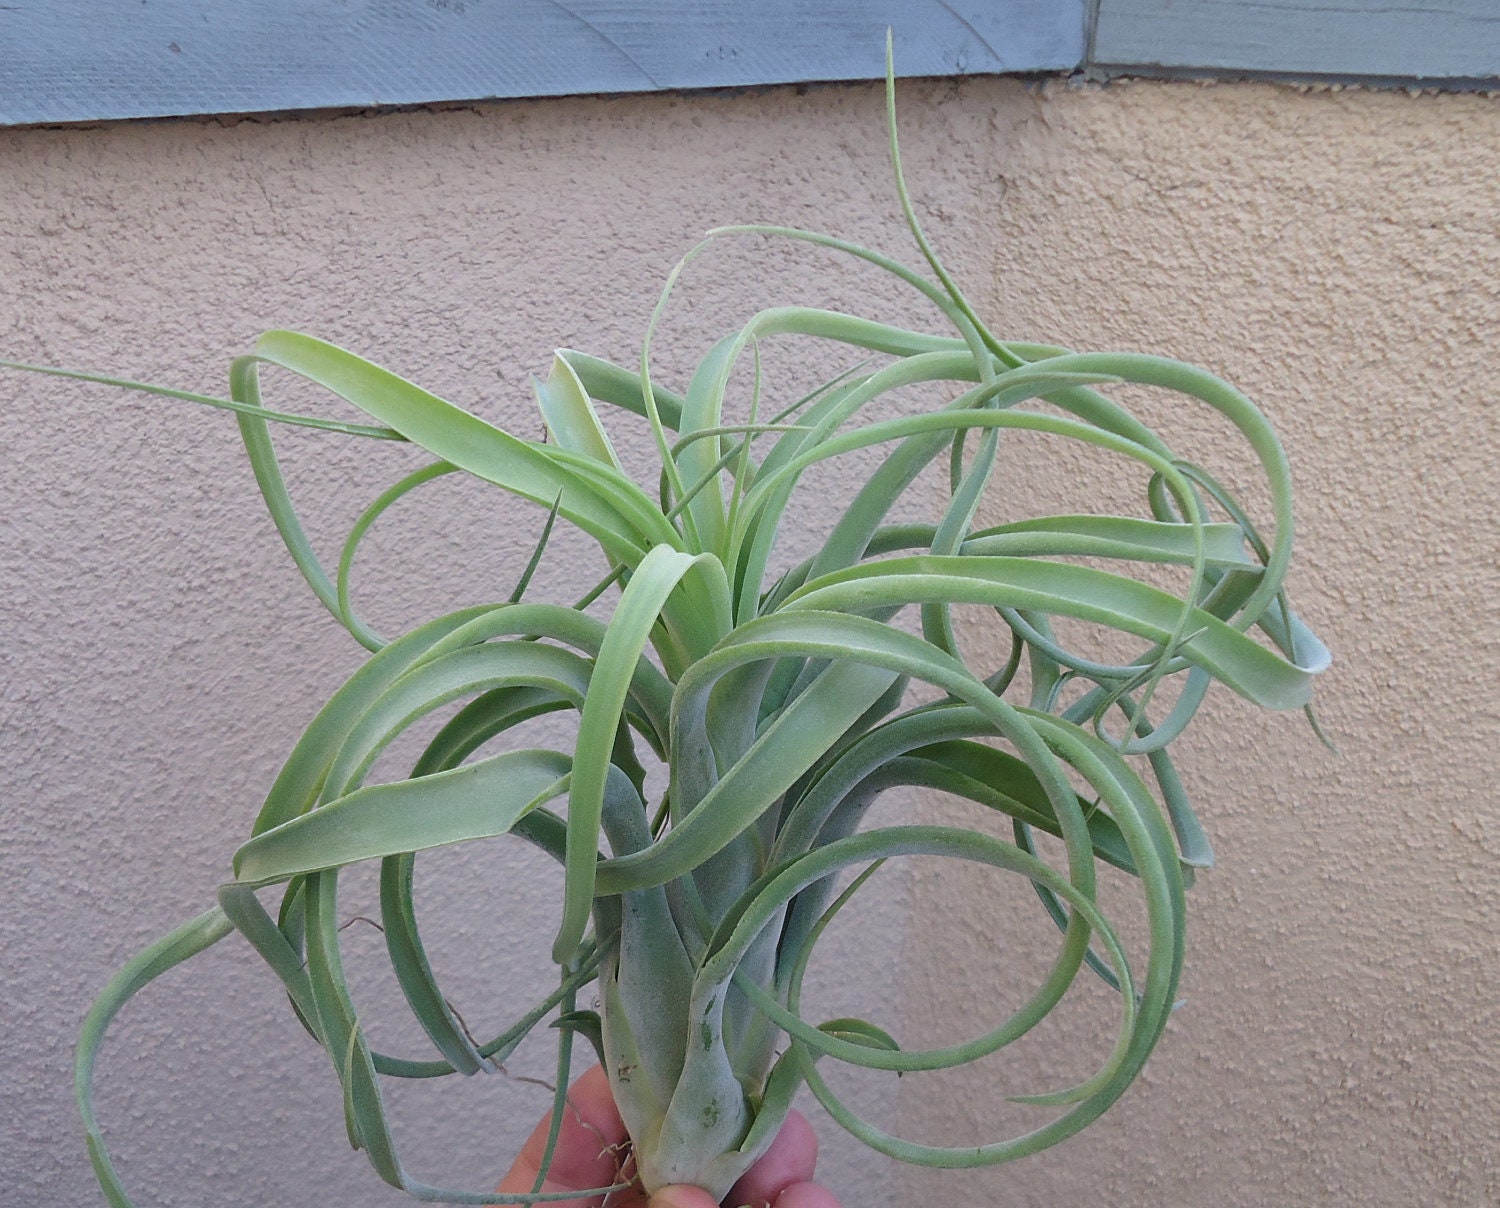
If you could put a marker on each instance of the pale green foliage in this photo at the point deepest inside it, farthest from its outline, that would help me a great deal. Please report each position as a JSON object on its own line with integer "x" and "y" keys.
{"x": 777, "y": 704}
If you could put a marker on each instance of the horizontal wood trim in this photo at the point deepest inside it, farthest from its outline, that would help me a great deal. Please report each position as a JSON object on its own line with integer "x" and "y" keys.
{"x": 100, "y": 60}
{"x": 90, "y": 60}
{"x": 1410, "y": 39}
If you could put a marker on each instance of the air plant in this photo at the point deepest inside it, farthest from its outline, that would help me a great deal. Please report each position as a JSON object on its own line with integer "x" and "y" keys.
{"x": 781, "y": 704}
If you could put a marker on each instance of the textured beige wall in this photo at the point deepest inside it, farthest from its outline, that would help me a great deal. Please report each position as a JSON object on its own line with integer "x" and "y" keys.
{"x": 1333, "y": 252}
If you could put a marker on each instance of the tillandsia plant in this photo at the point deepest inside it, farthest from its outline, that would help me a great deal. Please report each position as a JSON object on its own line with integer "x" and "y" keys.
{"x": 780, "y": 704}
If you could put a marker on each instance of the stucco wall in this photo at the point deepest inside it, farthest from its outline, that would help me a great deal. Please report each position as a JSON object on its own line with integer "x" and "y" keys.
{"x": 1333, "y": 252}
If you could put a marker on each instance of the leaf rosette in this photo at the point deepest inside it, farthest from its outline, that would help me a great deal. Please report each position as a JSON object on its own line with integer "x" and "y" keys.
{"x": 781, "y": 702}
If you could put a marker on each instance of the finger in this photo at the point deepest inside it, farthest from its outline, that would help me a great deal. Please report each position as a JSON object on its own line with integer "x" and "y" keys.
{"x": 807, "y": 1195}
{"x": 521, "y": 1182}
{"x": 589, "y": 1144}
{"x": 682, "y": 1196}
{"x": 790, "y": 1160}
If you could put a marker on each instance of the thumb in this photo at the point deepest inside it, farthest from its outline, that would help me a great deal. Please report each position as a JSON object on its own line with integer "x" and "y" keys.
{"x": 681, "y": 1196}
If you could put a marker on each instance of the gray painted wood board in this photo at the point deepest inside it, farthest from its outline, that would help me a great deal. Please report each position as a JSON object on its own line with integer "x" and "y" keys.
{"x": 93, "y": 60}
{"x": 1419, "y": 39}
{"x": 90, "y": 60}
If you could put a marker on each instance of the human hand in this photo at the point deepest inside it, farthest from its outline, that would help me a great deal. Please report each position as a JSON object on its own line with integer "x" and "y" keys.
{"x": 592, "y": 1144}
